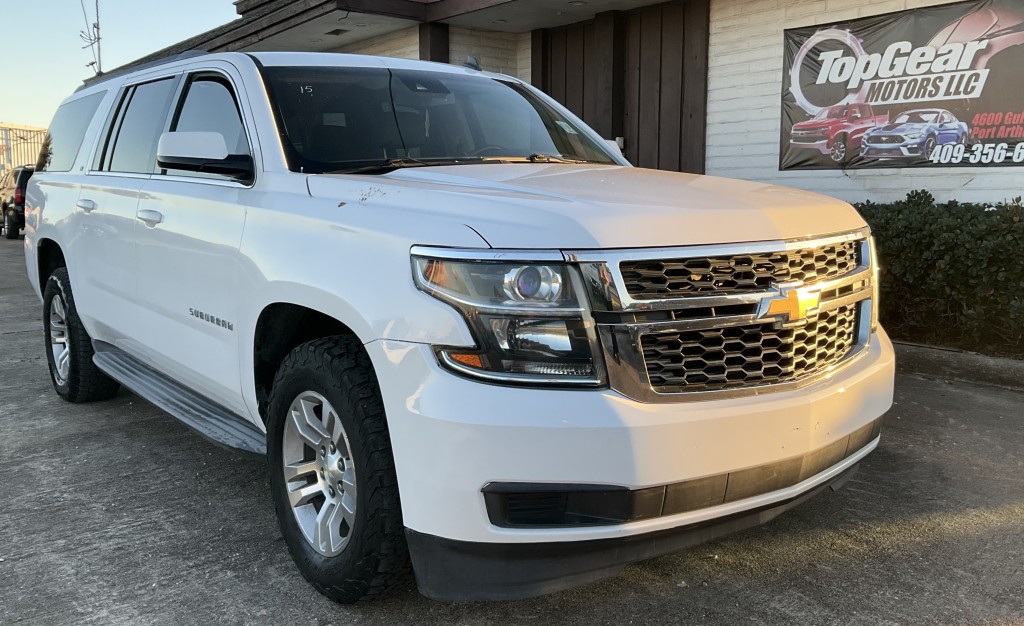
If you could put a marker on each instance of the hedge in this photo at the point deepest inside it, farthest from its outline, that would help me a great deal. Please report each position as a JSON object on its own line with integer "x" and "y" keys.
{"x": 952, "y": 274}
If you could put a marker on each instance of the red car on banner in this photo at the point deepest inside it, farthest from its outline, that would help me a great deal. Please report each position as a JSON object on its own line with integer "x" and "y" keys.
{"x": 837, "y": 130}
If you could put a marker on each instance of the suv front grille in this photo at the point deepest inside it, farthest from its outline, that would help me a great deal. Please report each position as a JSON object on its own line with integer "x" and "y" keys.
{"x": 753, "y": 355}
{"x": 738, "y": 273}
{"x": 709, "y": 322}
{"x": 885, "y": 139}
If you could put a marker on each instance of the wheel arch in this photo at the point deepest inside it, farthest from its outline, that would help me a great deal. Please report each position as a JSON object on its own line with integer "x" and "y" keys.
{"x": 49, "y": 257}
{"x": 280, "y": 327}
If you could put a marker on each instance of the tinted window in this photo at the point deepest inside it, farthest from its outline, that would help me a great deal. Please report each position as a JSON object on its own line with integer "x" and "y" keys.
{"x": 22, "y": 175}
{"x": 333, "y": 118}
{"x": 210, "y": 107}
{"x": 66, "y": 132}
{"x": 140, "y": 128}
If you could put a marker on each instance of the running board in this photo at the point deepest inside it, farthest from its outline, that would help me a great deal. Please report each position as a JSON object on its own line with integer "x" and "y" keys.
{"x": 209, "y": 419}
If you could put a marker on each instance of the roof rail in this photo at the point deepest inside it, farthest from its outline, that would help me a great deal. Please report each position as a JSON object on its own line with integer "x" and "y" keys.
{"x": 126, "y": 69}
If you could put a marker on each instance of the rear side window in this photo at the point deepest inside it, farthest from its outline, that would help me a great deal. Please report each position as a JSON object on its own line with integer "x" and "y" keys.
{"x": 139, "y": 128}
{"x": 67, "y": 130}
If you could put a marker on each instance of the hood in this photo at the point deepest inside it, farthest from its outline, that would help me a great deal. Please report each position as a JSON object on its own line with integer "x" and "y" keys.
{"x": 815, "y": 124}
{"x": 902, "y": 128}
{"x": 564, "y": 206}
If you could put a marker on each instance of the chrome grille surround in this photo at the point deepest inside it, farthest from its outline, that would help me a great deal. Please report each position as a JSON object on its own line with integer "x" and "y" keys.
{"x": 735, "y": 273}
{"x": 635, "y": 332}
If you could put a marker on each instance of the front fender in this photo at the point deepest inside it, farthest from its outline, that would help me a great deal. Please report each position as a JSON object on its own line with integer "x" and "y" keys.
{"x": 360, "y": 276}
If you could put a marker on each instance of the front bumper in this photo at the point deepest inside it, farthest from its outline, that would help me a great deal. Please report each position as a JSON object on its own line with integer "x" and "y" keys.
{"x": 453, "y": 437}
{"x": 907, "y": 149}
{"x": 823, "y": 146}
{"x": 462, "y": 571}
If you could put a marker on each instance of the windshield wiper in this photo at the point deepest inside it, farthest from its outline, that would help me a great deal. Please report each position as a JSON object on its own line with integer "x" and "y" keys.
{"x": 391, "y": 165}
{"x": 538, "y": 157}
{"x": 386, "y": 166}
{"x": 551, "y": 158}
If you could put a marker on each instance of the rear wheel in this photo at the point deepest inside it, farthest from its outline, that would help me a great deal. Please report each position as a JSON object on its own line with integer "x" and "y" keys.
{"x": 332, "y": 473}
{"x": 68, "y": 346}
{"x": 11, "y": 224}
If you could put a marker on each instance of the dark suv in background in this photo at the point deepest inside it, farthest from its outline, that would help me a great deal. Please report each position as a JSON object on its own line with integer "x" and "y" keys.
{"x": 12, "y": 199}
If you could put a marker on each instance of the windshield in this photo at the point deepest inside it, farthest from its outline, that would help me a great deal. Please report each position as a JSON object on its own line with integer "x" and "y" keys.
{"x": 340, "y": 118}
{"x": 834, "y": 112}
{"x": 918, "y": 117}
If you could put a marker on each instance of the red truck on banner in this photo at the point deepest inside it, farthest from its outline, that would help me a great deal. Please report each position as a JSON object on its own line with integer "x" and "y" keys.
{"x": 837, "y": 130}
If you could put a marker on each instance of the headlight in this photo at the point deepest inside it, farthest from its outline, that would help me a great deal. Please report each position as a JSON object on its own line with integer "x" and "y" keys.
{"x": 914, "y": 136}
{"x": 529, "y": 321}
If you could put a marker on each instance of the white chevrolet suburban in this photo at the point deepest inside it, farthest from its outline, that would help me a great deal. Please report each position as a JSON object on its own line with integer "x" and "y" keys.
{"x": 468, "y": 336}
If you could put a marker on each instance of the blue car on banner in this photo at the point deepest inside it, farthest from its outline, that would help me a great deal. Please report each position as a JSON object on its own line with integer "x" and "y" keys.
{"x": 914, "y": 134}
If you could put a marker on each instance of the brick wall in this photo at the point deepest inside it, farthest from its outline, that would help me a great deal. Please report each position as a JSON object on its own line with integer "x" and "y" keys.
{"x": 402, "y": 44}
{"x": 497, "y": 52}
{"x": 744, "y": 107}
{"x": 524, "y": 58}
{"x": 507, "y": 53}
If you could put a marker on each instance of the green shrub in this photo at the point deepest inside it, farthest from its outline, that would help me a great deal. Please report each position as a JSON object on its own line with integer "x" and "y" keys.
{"x": 951, "y": 274}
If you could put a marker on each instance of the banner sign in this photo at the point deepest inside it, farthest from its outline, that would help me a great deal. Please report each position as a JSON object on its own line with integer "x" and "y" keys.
{"x": 938, "y": 86}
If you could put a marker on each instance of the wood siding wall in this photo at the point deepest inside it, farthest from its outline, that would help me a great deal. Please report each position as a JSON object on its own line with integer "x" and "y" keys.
{"x": 640, "y": 75}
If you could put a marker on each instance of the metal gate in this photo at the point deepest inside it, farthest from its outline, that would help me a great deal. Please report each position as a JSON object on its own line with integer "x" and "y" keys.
{"x": 19, "y": 145}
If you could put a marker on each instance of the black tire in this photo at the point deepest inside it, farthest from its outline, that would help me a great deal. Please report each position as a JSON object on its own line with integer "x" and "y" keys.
{"x": 929, "y": 147}
{"x": 85, "y": 382}
{"x": 375, "y": 559}
{"x": 11, "y": 224}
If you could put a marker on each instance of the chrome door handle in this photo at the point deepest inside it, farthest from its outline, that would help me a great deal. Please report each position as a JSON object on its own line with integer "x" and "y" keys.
{"x": 150, "y": 217}
{"x": 86, "y": 205}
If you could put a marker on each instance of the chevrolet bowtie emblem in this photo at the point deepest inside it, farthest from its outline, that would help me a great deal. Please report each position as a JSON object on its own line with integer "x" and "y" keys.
{"x": 791, "y": 305}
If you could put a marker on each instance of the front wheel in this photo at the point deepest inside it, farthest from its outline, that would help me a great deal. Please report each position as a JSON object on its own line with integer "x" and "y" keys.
{"x": 838, "y": 150}
{"x": 929, "y": 147}
{"x": 68, "y": 346}
{"x": 11, "y": 224}
{"x": 332, "y": 473}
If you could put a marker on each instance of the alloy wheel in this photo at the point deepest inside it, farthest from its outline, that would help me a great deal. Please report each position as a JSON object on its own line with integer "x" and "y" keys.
{"x": 59, "y": 344}
{"x": 319, "y": 473}
{"x": 838, "y": 152}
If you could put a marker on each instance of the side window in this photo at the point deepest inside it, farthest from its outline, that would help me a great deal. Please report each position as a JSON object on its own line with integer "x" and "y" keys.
{"x": 946, "y": 119}
{"x": 134, "y": 148}
{"x": 67, "y": 130}
{"x": 210, "y": 106}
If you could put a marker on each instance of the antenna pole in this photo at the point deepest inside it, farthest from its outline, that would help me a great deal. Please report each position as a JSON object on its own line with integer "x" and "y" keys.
{"x": 99, "y": 53}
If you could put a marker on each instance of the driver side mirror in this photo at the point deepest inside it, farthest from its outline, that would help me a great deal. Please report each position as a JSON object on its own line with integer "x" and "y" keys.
{"x": 202, "y": 152}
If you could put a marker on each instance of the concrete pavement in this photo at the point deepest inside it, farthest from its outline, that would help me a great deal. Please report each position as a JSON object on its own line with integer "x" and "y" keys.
{"x": 114, "y": 513}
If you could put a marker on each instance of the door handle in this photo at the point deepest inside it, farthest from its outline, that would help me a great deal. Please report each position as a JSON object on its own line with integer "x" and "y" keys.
{"x": 86, "y": 205}
{"x": 150, "y": 217}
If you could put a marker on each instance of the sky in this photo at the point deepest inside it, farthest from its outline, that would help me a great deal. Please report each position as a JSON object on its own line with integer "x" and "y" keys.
{"x": 44, "y": 58}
